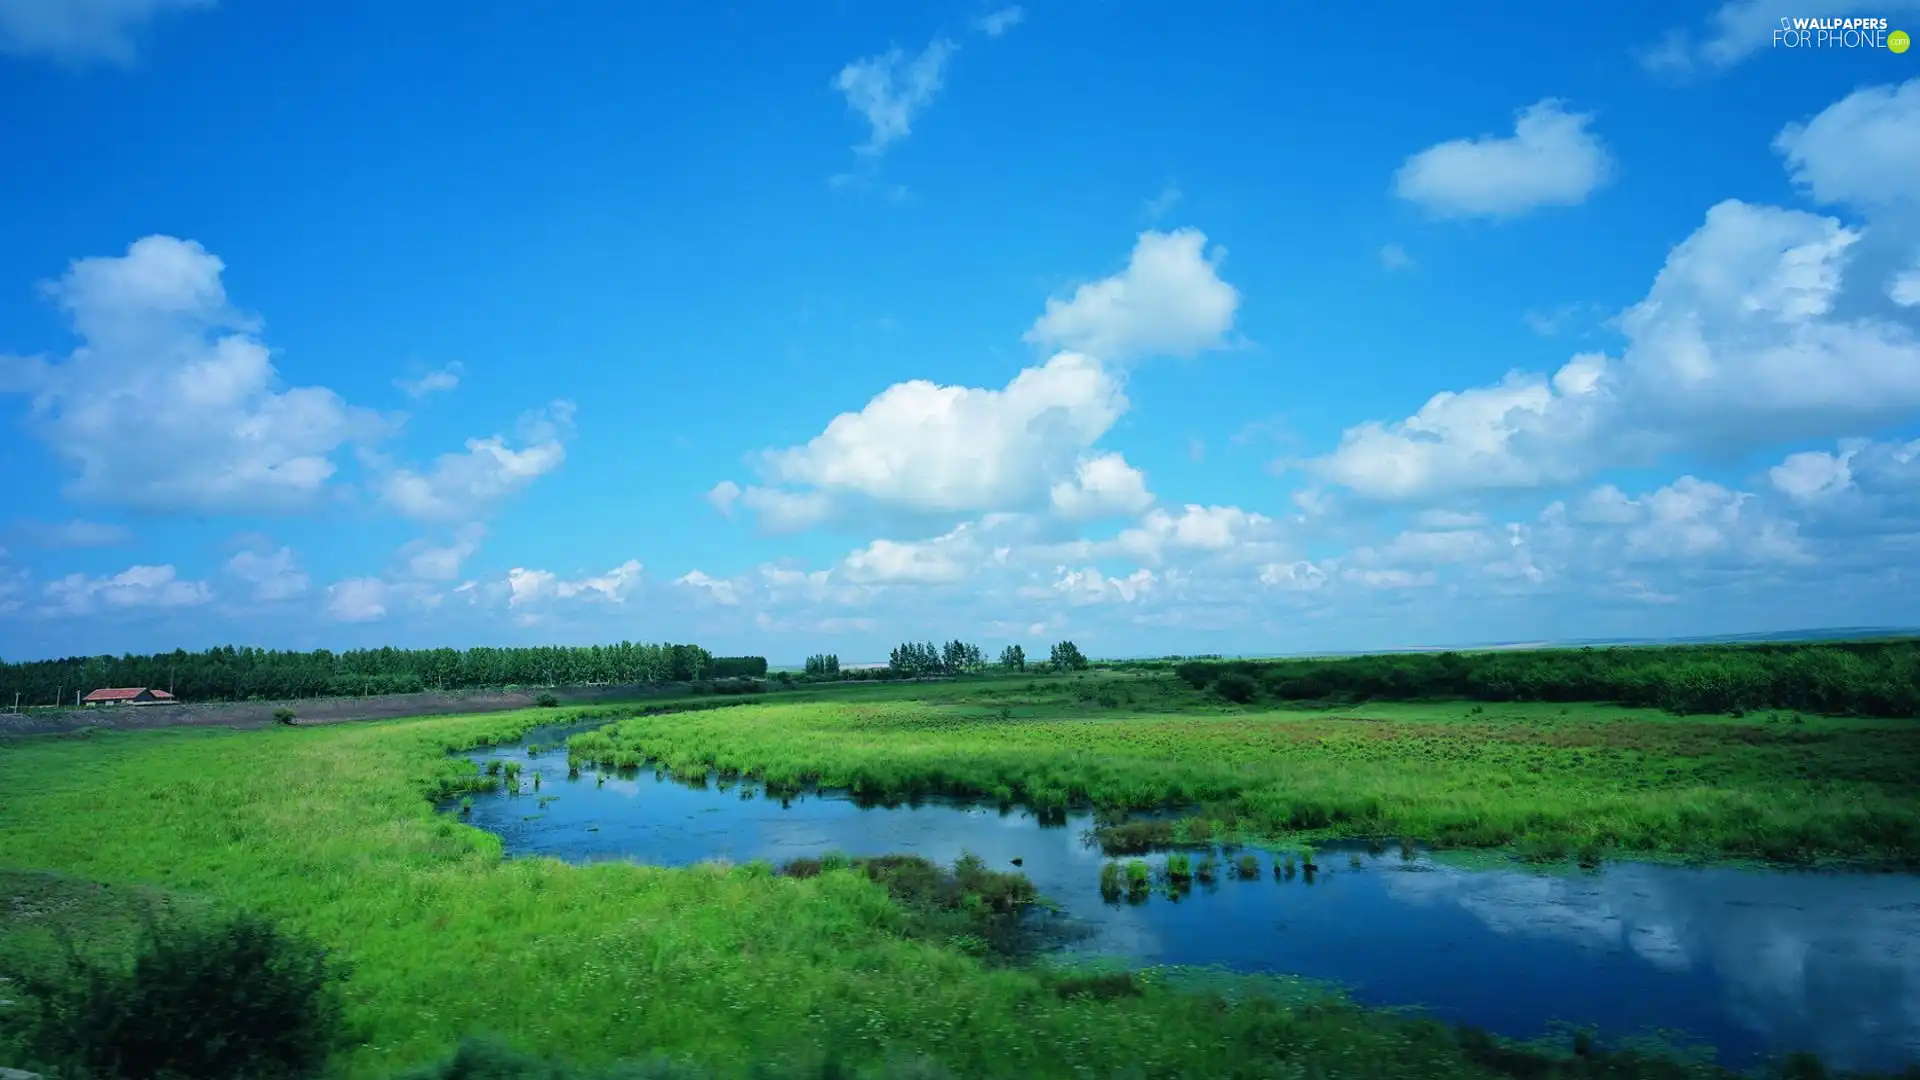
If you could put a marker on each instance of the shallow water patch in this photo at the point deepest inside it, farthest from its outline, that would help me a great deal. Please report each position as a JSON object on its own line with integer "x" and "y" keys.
{"x": 1751, "y": 962}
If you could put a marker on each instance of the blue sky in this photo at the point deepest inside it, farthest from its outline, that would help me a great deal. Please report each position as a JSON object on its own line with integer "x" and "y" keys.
{"x": 811, "y": 327}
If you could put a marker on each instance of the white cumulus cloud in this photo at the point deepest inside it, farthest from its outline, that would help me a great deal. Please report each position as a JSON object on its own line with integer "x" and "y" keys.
{"x": 464, "y": 486}
{"x": 134, "y": 587}
{"x": 925, "y": 447}
{"x": 1753, "y": 332}
{"x": 1551, "y": 159}
{"x": 172, "y": 402}
{"x": 618, "y": 585}
{"x": 1102, "y": 486}
{"x": 1169, "y": 301}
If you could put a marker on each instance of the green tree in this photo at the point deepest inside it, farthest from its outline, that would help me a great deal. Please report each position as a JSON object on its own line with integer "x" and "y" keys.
{"x": 1066, "y": 657}
{"x": 1013, "y": 658}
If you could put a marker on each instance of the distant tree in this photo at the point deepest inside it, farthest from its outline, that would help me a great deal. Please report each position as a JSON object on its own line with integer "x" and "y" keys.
{"x": 1066, "y": 657}
{"x": 1013, "y": 658}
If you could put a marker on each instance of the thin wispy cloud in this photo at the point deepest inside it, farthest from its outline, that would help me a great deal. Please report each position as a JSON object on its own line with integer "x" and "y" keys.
{"x": 890, "y": 89}
{"x": 999, "y": 22}
{"x": 1160, "y": 205}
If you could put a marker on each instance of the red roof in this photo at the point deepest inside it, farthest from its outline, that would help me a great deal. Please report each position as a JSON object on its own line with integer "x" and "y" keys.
{"x": 121, "y": 694}
{"x": 162, "y": 695}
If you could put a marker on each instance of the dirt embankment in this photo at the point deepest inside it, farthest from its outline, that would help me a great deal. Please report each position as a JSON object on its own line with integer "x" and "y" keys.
{"x": 256, "y": 714}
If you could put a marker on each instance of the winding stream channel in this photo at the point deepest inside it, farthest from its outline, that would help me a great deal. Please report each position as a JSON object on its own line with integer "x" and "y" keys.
{"x": 1752, "y": 963}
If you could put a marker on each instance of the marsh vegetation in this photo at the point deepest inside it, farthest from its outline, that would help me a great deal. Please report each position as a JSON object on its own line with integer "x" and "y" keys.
{"x": 330, "y": 833}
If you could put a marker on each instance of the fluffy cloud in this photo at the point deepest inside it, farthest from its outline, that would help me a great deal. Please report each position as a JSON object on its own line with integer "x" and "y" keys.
{"x": 924, "y": 449}
{"x": 464, "y": 486}
{"x": 1904, "y": 289}
{"x": 72, "y": 534}
{"x": 274, "y": 574}
{"x": 134, "y": 587}
{"x": 1752, "y": 332}
{"x": 1861, "y": 151}
{"x": 943, "y": 560}
{"x": 723, "y": 495}
{"x": 1102, "y": 486}
{"x": 1195, "y": 528}
{"x": 616, "y": 586}
{"x": 81, "y": 30}
{"x": 719, "y": 590}
{"x": 929, "y": 448}
{"x": 1551, "y": 159}
{"x": 889, "y": 89}
{"x": 1169, "y": 301}
{"x": 172, "y": 403}
{"x": 438, "y": 381}
{"x": 1516, "y": 433}
{"x": 1089, "y": 586}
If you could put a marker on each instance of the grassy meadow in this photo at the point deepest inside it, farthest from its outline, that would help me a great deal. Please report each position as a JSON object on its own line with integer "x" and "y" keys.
{"x": 332, "y": 831}
{"x": 1550, "y": 780}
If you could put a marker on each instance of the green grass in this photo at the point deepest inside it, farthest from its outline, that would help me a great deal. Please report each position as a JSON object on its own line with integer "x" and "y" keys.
{"x": 1548, "y": 780}
{"x": 331, "y": 830}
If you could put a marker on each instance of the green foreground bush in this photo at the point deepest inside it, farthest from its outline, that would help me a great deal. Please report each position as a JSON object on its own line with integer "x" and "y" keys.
{"x": 224, "y": 999}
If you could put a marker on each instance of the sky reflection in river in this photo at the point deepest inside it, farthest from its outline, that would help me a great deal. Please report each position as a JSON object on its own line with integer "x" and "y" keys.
{"x": 1752, "y": 963}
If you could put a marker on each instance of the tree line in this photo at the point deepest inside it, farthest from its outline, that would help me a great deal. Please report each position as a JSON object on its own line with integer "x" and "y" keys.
{"x": 1864, "y": 678}
{"x": 912, "y": 659}
{"x": 227, "y": 673}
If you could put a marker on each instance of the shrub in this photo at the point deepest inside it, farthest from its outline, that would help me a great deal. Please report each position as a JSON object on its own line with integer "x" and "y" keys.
{"x": 1236, "y": 687}
{"x": 546, "y": 701}
{"x": 222, "y": 999}
{"x": 283, "y": 715}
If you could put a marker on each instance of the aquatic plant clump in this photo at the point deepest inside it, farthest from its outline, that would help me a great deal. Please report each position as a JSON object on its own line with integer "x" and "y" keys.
{"x": 942, "y": 904}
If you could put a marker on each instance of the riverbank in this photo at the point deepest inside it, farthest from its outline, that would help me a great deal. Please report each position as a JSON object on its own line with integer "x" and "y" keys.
{"x": 331, "y": 829}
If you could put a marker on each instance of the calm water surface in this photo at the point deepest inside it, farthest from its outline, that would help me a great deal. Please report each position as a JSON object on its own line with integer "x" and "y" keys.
{"x": 1753, "y": 963}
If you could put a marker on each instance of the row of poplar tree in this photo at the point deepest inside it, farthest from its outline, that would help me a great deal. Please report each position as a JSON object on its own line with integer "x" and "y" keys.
{"x": 227, "y": 673}
{"x": 925, "y": 658}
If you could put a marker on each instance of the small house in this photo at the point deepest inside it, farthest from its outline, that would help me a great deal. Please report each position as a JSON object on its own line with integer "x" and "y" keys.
{"x": 129, "y": 695}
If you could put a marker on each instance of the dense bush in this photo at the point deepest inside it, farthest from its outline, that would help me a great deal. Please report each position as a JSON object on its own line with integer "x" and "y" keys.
{"x": 738, "y": 667}
{"x": 1237, "y": 687}
{"x": 1870, "y": 678}
{"x": 224, "y": 999}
